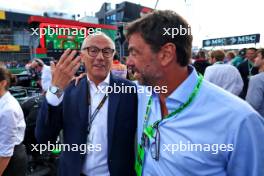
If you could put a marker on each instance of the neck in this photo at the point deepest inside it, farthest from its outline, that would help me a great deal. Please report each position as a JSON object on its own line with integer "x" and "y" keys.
{"x": 172, "y": 80}
{"x": 2, "y": 92}
{"x": 95, "y": 80}
{"x": 261, "y": 68}
{"x": 220, "y": 61}
{"x": 250, "y": 61}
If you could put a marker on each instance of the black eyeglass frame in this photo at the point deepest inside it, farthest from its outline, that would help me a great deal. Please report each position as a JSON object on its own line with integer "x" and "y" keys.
{"x": 156, "y": 144}
{"x": 103, "y": 50}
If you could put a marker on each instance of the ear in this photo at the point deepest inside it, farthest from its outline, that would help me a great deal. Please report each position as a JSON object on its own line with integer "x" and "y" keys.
{"x": 3, "y": 84}
{"x": 214, "y": 60}
{"x": 167, "y": 54}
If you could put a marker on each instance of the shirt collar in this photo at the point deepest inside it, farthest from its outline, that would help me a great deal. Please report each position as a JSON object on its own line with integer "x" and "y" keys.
{"x": 183, "y": 92}
{"x": 106, "y": 81}
{"x": 218, "y": 63}
{"x": 4, "y": 98}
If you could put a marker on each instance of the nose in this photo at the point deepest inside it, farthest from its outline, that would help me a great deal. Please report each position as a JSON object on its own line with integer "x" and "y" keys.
{"x": 130, "y": 62}
{"x": 99, "y": 56}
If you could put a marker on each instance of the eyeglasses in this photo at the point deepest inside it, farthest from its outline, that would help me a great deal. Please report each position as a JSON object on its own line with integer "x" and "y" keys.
{"x": 93, "y": 51}
{"x": 155, "y": 146}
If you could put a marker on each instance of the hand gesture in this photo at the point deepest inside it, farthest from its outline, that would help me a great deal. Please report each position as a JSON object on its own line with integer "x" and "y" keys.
{"x": 65, "y": 69}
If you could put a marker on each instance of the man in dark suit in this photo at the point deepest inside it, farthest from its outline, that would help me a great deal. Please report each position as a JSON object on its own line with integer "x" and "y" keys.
{"x": 89, "y": 114}
{"x": 201, "y": 63}
{"x": 247, "y": 69}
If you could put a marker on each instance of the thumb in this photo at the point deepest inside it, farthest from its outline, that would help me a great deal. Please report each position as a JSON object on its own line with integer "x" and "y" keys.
{"x": 52, "y": 66}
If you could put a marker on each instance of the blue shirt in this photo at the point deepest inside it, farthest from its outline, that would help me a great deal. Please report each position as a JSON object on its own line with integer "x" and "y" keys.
{"x": 255, "y": 93}
{"x": 227, "y": 132}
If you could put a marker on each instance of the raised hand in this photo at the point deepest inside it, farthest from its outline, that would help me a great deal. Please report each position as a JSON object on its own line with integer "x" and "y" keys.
{"x": 65, "y": 69}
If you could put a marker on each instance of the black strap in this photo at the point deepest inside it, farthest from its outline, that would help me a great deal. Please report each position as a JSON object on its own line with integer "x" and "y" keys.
{"x": 92, "y": 117}
{"x": 100, "y": 105}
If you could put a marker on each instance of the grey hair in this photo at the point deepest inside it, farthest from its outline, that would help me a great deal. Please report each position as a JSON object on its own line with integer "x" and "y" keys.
{"x": 94, "y": 35}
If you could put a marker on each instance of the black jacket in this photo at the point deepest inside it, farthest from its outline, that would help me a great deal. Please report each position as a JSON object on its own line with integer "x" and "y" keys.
{"x": 244, "y": 68}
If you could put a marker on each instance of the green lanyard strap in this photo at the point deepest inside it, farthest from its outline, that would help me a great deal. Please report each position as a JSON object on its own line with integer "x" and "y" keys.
{"x": 149, "y": 131}
{"x": 250, "y": 67}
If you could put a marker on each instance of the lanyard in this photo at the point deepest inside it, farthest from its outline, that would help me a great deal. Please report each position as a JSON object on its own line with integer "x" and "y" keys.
{"x": 149, "y": 131}
{"x": 250, "y": 67}
{"x": 93, "y": 115}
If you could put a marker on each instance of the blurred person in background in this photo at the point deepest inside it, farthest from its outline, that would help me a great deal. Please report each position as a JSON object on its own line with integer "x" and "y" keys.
{"x": 13, "y": 158}
{"x": 255, "y": 93}
{"x": 201, "y": 62}
{"x": 43, "y": 72}
{"x": 239, "y": 58}
{"x": 223, "y": 75}
{"x": 118, "y": 69}
{"x": 247, "y": 69}
{"x": 229, "y": 57}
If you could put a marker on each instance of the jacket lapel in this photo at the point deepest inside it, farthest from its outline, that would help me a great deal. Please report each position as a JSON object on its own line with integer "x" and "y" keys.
{"x": 112, "y": 109}
{"x": 82, "y": 101}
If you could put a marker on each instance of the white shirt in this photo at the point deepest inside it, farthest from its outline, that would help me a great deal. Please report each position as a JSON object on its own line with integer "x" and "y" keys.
{"x": 46, "y": 77}
{"x": 95, "y": 162}
{"x": 12, "y": 124}
{"x": 225, "y": 76}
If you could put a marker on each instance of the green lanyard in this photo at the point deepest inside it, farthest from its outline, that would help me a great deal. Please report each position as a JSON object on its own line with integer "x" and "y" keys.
{"x": 150, "y": 130}
{"x": 250, "y": 67}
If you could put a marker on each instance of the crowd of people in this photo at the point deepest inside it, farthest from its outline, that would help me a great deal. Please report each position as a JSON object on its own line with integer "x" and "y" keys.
{"x": 14, "y": 64}
{"x": 240, "y": 74}
{"x": 201, "y": 125}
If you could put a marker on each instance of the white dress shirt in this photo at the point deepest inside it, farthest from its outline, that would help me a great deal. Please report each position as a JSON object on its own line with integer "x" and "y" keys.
{"x": 225, "y": 76}
{"x": 95, "y": 162}
{"x": 46, "y": 77}
{"x": 12, "y": 124}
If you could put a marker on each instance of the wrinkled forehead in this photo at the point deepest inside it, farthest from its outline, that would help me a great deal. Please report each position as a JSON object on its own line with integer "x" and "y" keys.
{"x": 100, "y": 41}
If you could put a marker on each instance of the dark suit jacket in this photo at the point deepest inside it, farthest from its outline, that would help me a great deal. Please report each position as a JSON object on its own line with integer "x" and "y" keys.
{"x": 200, "y": 65}
{"x": 72, "y": 117}
{"x": 244, "y": 72}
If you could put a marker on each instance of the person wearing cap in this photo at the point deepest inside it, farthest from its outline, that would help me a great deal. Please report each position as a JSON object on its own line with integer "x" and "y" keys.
{"x": 239, "y": 58}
